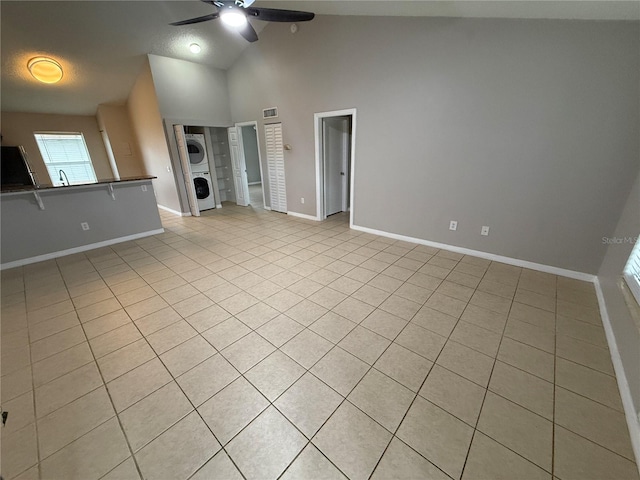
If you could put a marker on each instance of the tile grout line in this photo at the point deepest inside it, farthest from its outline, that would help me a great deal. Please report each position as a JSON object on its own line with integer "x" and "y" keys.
{"x": 115, "y": 411}
{"x": 345, "y": 397}
{"x": 555, "y": 383}
{"x": 194, "y": 408}
{"x": 486, "y": 390}
{"x": 322, "y": 381}
{"x": 417, "y": 393}
{"x": 33, "y": 388}
{"x": 173, "y": 379}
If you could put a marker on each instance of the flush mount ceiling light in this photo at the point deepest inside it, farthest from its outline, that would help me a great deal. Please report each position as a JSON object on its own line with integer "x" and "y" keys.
{"x": 233, "y": 17}
{"x": 195, "y": 48}
{"x": 45, "y": 69}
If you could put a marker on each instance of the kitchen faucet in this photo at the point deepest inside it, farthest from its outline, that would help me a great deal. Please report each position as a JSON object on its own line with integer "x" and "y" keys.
{"x": 62, "y": 172}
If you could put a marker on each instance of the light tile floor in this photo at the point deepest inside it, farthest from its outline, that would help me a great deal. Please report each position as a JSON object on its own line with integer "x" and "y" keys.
{"x": 246, "y": 343}
{"x": 255, "y": 196}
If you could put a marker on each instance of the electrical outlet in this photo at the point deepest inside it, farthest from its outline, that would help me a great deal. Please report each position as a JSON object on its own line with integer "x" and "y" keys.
{"x": 484, "y": 231}
{"x": 453, "y": 225}
{"x": 144, "y": 188}
{"x": 85, "y": 226}
{"x": 302, "y": 200}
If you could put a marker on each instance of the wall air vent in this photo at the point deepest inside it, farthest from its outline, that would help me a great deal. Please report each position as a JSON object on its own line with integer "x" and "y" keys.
{"x": 270, "y": 112}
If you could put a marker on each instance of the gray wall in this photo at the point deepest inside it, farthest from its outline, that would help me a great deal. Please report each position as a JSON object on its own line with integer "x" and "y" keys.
{"x": 57, "y": 227}
{"x": 626, "y": 331}
{"x": 251, "y": 157}
{"x": 528, "y": 126}
{"x": 190, "y": 91}
{"x": 188, "y": 94}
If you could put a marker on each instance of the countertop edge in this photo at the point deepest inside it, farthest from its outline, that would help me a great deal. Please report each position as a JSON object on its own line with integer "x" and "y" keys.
{"x": 66, "y": 188}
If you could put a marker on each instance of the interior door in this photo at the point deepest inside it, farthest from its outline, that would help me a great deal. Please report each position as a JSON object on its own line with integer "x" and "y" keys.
{"x": 335, "y": 148}
{"x": 239, "y": 168}
{"x": 183, "y": 153}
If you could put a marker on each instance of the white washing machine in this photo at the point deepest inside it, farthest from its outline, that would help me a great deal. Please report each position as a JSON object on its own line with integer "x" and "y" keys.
{"x": 198, "y": 160}
{"x": 204, "y": 190}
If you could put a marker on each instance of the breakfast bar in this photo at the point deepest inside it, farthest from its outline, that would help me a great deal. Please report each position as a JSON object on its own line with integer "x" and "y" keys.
{"x": 45, "y": 221}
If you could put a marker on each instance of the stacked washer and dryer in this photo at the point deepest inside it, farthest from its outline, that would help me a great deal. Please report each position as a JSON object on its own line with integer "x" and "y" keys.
{"x": 200, "y": 171}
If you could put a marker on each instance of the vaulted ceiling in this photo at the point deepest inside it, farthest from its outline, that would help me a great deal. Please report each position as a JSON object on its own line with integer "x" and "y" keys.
{"x": 102, "y": 45}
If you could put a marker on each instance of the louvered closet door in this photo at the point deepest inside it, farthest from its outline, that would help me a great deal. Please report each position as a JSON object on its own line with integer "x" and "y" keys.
{"x": 275, "y": 166}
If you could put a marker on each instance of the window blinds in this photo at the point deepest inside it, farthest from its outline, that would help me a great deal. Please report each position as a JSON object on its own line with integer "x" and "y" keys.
{"x": 67, "y": 152}
{"x": 632, "y": 271}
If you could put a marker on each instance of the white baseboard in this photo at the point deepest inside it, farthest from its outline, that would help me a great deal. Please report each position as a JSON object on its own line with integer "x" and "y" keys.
{"x": 633, "y": 422}
{"x": 488, "y": 256}
{"x": 82, "y": 248}
{"x": 175, "y": 212}
{"x": 218, "y": 205}
{"x": 302, "y": 215}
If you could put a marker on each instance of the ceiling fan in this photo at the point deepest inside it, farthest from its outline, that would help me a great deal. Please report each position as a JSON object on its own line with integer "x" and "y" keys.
{"x": 236, "y": 13}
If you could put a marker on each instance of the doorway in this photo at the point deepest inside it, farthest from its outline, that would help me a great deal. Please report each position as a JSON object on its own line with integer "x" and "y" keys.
{"x": 248, "y": 133}
{"x": 249, "y": 153}
{"x": 335, "y": 142}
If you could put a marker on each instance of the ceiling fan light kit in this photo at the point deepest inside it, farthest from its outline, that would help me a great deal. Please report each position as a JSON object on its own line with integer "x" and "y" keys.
{"x": 233, "y": 17}
{"x": 236, "y": 13}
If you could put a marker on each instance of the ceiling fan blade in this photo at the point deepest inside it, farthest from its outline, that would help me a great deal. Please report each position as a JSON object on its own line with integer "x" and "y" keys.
{"x": 277, "y": 15}
{"x": 248, "y": 33}
{"x": 204, "y": 18}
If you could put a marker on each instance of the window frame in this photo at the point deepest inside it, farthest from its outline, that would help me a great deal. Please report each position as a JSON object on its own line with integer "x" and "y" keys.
{"x": 49, "y": 164}
{"x": 631, "y": 272}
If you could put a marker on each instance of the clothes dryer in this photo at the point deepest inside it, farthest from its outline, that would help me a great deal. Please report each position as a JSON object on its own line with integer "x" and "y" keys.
{"x": 198, "y": 159}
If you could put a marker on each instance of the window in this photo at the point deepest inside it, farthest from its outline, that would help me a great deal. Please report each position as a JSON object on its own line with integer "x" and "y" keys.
{"x": 66, "y": 157}
{"x": 632, "y": 271}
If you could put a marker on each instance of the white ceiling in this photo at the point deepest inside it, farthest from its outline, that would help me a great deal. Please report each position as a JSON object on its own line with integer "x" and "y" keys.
{"x": 102, "y": 44}
{"x": 567, "y": 9}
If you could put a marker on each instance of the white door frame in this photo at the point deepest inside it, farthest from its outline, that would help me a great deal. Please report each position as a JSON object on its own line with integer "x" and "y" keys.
{"x": 317, "y": 117}
{"x": 254, "y": 124}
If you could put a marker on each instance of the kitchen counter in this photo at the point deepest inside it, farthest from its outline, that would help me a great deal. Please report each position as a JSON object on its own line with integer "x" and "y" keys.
{"x": 49, "y": 186}
{"x": 43, "y": 222}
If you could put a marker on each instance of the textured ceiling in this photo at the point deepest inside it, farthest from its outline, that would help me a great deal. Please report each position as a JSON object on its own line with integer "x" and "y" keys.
{"x": 102, "y": 44}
